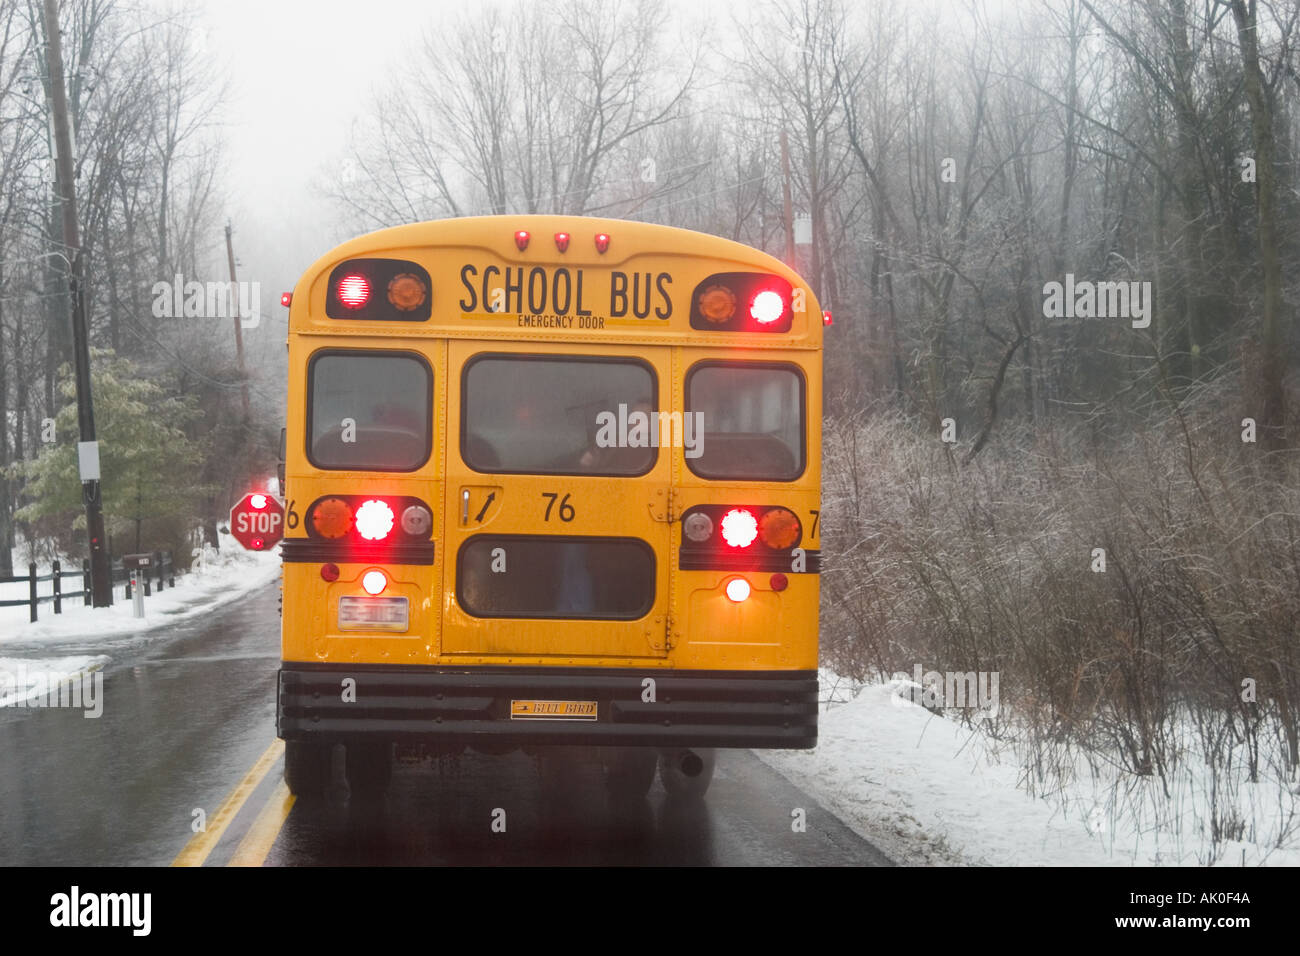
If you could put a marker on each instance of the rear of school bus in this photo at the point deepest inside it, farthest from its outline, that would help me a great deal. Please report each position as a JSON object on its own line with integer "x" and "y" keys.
{"x": 549, "y": 481}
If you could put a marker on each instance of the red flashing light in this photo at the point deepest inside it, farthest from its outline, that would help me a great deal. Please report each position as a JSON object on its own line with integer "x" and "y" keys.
{"x": 602, "y": 241}
{"x": 374, "y": 520}
{"x": 257, "y": 502}
{"x": 354, "y": 291}
{"x": 767, "y": 307}
{"x": 739, "y": 528}
{"x": 521, "y": 239}
{"x": 562, "y": 241}
{"x": 286, "y": 298}
{"x": 258, "y": 544}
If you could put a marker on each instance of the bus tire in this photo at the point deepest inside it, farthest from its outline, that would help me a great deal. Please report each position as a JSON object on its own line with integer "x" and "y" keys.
{"x": 630, "y": 772}
{"x": 680, "y": 784}
{"x": 369, "y": 767}
{"x": 306, "y": 767}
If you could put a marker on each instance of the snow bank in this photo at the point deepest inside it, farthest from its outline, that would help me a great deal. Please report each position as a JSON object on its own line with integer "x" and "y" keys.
{"x": 220, "y": 577}
{"x": 928, "y": 791}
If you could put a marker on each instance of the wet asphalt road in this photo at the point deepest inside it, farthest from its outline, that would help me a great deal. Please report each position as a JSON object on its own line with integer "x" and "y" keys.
{"x": 189, "y": 709}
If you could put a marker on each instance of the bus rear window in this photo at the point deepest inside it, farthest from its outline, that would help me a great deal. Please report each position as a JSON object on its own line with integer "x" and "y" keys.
{"x": 554, "y": 416}
{"x": 753, "y": 421}
{"x": 369, "y": 410}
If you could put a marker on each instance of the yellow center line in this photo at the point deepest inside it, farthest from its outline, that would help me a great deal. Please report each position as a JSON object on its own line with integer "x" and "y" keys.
{"x": 258, "y": 841}
{"x": 201, "y": 844}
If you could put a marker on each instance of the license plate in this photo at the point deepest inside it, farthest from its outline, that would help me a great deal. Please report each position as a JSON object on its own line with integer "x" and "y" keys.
{"x": 373, "y": 613}
{"x": 552, "y": 710}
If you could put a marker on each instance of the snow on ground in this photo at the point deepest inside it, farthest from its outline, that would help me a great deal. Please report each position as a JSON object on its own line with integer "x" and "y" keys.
{"x": 27, "y": 650}
{"x": 928, "y": 791}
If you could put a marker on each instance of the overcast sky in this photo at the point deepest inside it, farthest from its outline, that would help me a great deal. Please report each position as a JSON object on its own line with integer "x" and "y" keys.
{"x": 300, "y": 72}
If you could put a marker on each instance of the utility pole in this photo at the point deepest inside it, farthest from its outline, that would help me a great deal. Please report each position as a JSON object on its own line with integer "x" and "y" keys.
{"x": 789, "y": 206}
{"x": 239, "y": 330}
{"x": 87, "y": 448}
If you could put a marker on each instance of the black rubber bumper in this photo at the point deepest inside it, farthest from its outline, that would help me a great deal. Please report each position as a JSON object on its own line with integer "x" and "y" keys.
{"x": 763, "y": 709}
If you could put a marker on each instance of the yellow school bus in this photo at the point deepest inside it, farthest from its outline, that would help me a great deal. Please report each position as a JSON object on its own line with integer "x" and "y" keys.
{"x": 549, "y": 482}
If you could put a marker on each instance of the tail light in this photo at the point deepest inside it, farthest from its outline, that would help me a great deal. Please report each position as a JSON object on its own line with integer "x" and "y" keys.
{"x": 369, "y": 520}
{"x": 332, "y": 518}
{"x": 739, "y": 528}
{"x": 374, "y": 520}
{"x": 747, "y": 538}
{"x": 698, "y": 526}
{"x": 416, "y": 521}
{"x": 779, "y": 528}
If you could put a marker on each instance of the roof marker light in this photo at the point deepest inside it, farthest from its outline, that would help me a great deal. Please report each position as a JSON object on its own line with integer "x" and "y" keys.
{"x": 521, "y": 239}
{"x": 562, "y": 241}
{"x": 602, "y": 241}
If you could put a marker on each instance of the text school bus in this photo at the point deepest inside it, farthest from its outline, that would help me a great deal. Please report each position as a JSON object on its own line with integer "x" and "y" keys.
{"x": 550, "y": 481}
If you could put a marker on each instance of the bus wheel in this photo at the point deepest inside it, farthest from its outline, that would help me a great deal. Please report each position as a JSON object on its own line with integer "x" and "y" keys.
{"x": 629, "y": 772}
{"x": 306, "y": 767}
{"x": 686, "y": 774}
{"x": 369, "y": 767}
